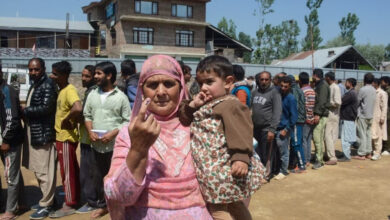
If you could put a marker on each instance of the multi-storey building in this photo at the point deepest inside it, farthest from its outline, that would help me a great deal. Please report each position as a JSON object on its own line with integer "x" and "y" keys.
{"x": 137, "y": 29}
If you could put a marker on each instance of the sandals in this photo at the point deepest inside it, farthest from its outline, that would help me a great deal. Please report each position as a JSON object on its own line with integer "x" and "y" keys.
{"x": 98, "y": 213}
{"x": 8, "y": 216}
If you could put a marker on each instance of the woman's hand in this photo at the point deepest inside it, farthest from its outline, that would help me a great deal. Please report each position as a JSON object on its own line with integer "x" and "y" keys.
{"x": 143, "y": 133}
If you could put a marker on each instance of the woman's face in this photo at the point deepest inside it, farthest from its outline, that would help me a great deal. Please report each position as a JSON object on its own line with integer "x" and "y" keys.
{"x": 164, "y": 93}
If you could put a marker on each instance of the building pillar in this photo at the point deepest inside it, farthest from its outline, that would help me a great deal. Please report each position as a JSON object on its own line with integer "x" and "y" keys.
{"x": 55, "y": 40}
{"x": 89, "y": 41}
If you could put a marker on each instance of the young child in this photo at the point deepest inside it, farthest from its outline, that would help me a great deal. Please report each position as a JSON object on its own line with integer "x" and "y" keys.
{"x": 221, "y": 142}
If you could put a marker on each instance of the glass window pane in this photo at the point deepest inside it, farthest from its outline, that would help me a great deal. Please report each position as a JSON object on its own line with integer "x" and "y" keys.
{"x": 191, "y": 40}
{"x": 181, "y": 11}
{"x": 184, "y": 40}
{"x": 103, "y": 39}
{"x": 137, "y": 6}
{"x": 146, "y": 7}
{"x": 135, "y": 37}
{"x": 150, "y": 38}
{"x": 173, "y": 10}
{"x": 189, "y": 11}
{"x": 155, "y": 8}
{"x": 143, "y": 37}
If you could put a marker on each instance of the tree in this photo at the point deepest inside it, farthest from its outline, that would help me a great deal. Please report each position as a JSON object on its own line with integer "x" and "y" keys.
{"x": 262, "y": 47}
{"x": 336, "y": 42}
{"x": 375, "y": 54}
{"x": 290, "y": 33}
{"x": 348, "y": 26}
{"x": 246, "y": 40}
{"x": 228, "y": 27}
{"x": 387, "y": 52}
{"x": 313, "y": 35}
{"x": 264, "y": 9}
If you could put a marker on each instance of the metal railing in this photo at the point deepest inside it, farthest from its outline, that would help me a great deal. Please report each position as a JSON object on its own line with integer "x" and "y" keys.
{"x": 250, "y": 69}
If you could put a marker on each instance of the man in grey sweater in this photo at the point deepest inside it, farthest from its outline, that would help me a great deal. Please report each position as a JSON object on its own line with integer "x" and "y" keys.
{"x": 266, "y": 112}
{"x": 366, "y": 100}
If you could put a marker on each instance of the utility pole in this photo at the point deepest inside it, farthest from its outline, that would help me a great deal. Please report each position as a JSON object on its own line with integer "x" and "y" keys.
{"x": 67, "y": 45}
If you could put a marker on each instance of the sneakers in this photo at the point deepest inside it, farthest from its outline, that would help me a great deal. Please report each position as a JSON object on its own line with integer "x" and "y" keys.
{"x": 85, "y": 209}
{"x": 36, "y": 207}
{"x": 385, "y": 153}
{"x": 280, "y": 176}
{"x": 41, "y": 213}
{"x": 344, "y": 159}
{"x": 376, "y": 157}
{"x": 64, "y": 211}
{"x": 317, "y": 166}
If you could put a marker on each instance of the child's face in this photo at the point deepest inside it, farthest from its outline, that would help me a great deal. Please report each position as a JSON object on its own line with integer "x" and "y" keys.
{"x": 212, "y": 85}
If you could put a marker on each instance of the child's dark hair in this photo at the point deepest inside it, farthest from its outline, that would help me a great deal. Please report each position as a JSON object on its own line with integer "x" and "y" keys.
{"x": 219, "y": 64}
{"x": 239, "y": 72}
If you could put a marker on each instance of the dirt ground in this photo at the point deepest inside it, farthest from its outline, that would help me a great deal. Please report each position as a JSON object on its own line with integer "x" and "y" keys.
{"x": 354, "y": 190}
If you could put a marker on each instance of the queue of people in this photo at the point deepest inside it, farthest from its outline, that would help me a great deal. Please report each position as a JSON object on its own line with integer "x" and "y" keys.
{"x": 159, "y": 144}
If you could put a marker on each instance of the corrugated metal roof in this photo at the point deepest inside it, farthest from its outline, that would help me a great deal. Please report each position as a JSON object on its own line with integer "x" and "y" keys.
{"x": 321, "y": 58}
{"x": 37, "y": 24}
{"x": 212, "y": 27}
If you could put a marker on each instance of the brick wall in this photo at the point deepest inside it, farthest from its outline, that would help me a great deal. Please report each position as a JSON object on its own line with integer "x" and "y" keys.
{"x": 126, "y": 7}
{"x": 164, "y": 34}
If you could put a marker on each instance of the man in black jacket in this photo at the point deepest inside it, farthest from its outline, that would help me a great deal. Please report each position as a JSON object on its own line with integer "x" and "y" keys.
{"x": 321, "y": 112}
{"x": 348, "y": 115}
{"x": 12, "y": 139}
{"x": 39, "y": 114}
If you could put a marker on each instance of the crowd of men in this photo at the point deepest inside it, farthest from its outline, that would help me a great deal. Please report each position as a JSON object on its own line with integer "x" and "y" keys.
{"x": 288, "y": 113}
{"x": 55, "y": 122}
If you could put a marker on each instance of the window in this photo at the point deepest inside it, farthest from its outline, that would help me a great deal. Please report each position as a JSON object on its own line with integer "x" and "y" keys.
{"x": 146, "y": 7}
{"x": 113, "y": 36}
{"x": 4, "y": 41}
{"x": 183, "y": 11}
{"x": 45, "y": 42}
{"x": 110, "y": 10}
{"x": 185, "y": 38}
{"x": 102, "y": 39}
{"x": 142, "y": 35}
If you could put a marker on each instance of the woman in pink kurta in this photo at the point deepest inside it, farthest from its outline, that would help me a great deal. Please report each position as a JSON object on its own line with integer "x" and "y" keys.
{"x": 152, "y": 175}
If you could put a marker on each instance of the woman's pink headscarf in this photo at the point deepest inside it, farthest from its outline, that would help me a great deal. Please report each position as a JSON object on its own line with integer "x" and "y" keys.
{"x": 159, "y": 65}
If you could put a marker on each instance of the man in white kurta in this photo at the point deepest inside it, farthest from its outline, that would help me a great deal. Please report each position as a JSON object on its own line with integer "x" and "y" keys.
{"x": 332, "y": 125}
{"x": 379, "y": 125}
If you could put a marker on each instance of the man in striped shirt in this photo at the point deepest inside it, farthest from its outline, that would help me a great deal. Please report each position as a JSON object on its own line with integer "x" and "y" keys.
{"x": 308, "y": 127}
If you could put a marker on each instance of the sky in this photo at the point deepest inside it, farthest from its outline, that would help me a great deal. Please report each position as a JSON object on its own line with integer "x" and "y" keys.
{"x": 374, "y": 15}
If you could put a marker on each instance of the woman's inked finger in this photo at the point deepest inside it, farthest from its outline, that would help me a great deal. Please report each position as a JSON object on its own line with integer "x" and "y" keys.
{"x": 142, "y": 110}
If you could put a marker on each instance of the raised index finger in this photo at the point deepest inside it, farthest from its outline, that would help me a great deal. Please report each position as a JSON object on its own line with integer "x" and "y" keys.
{"x": 142, "y": 110}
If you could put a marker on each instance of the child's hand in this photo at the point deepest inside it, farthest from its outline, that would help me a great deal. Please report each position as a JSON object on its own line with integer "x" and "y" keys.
{"x": 200, "y": 99}
{"x": 239, "y": 169}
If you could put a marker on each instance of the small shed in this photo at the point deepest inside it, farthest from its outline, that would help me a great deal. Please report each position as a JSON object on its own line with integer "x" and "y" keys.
{"x": 347, "y": 57}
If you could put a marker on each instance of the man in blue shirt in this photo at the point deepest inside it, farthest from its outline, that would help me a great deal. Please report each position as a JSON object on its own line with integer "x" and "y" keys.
{"x": 287, "y": 124}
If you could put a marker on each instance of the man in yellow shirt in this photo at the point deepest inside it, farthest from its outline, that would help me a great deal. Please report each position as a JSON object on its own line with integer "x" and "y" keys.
{"x": 69, "y": 108}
